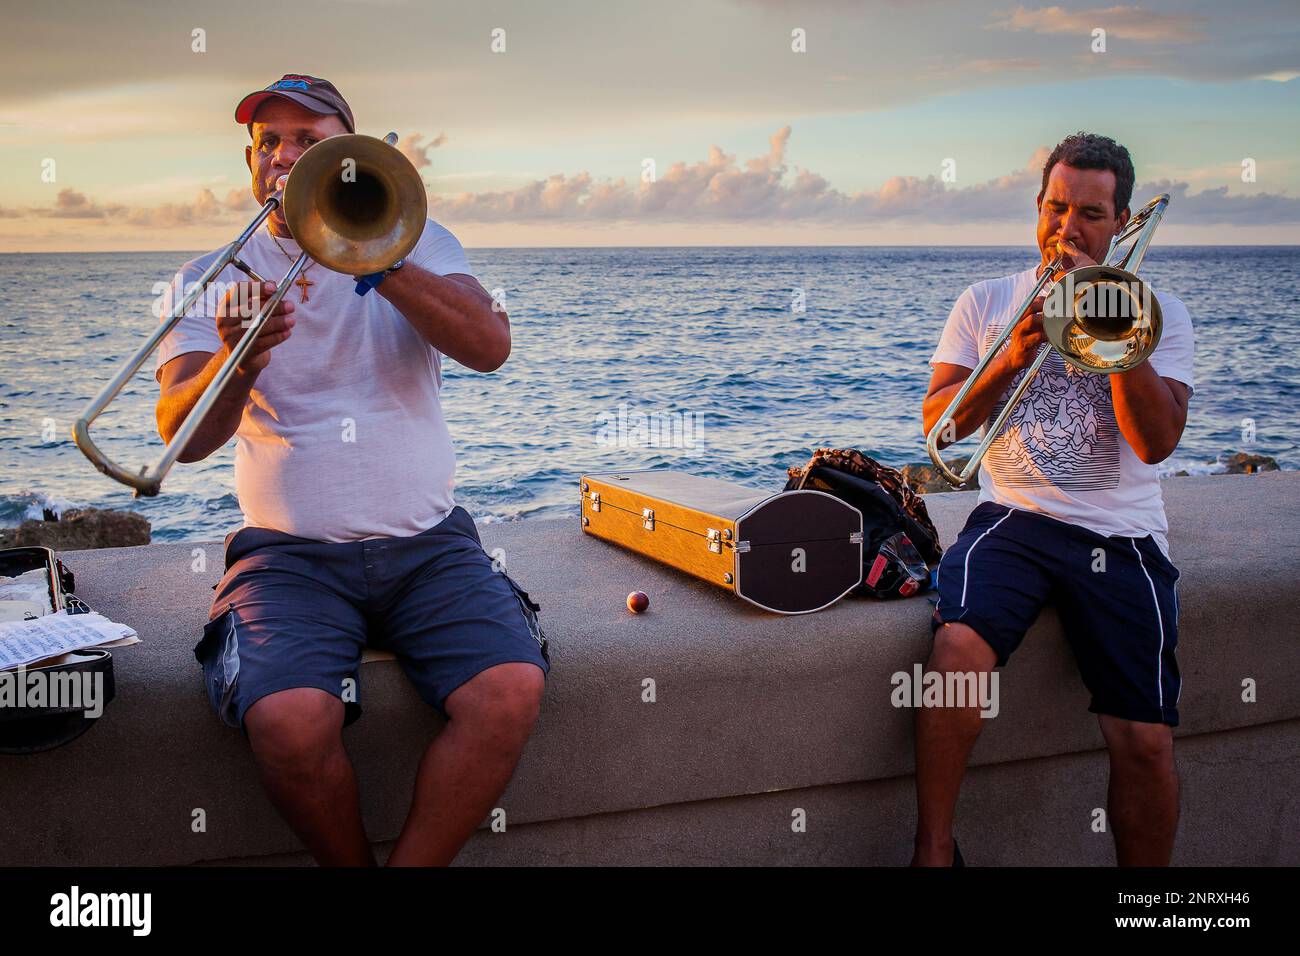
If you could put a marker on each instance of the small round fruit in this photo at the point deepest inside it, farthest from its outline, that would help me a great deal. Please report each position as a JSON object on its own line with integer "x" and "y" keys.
{"x": 638, "y": 601}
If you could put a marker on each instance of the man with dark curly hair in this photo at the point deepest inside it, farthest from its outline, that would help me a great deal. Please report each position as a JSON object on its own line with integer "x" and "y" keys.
{"x": 1070, "y": 511}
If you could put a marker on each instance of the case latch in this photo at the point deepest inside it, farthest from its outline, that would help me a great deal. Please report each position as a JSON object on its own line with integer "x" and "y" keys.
{"x": 648, "y": 518}
{"x": 595, "y": 501}
{"x": 715, "y": 540}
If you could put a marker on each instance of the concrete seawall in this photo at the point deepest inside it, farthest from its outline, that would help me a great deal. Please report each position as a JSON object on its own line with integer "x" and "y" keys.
{"x": 756, "y": 717}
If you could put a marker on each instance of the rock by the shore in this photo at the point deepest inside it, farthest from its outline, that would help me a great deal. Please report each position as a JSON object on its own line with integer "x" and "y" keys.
{"x": 80, "y": 529}
{"x": 1244, "y": 464}
{"x": 926, "y": 480}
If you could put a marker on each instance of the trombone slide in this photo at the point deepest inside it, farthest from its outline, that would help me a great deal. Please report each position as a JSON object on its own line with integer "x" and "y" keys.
{"x": 148, "y": 479}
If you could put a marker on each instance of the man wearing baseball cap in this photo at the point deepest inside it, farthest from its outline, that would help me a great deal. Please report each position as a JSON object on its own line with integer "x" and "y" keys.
{"x": 351, "y": 537}
{"x": 309, "y": 92}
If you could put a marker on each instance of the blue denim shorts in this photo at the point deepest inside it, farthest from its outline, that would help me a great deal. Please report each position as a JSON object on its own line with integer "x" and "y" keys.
{"x": 292, "y": 612}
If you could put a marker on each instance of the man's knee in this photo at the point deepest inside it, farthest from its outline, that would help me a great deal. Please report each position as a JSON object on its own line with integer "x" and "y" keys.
{"x": 500, "y": 701}
{"x": 958, "y": 648}
{"x": 1138, "y": 744}
{"x": 294, "y": 731}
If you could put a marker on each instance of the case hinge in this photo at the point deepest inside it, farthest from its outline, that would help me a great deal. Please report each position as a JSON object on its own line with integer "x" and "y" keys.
{"x": 742, "y": 547}
{"x": 855, "y": 537}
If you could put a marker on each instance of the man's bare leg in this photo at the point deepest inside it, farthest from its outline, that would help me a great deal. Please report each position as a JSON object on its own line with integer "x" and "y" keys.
{"x": 1143, "y": 794}
{"x": 297, "y": 741}
{"x": 944, "y": 738}
{"x": 468, "y": 765}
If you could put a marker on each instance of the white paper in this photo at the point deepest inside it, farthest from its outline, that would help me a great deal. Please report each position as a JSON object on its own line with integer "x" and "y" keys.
{"x": 22, "y": 642}
{"x": 29, "y": 586}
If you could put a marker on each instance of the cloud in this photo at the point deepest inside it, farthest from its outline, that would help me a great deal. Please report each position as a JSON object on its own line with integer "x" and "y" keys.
{"x": 71, "y": 204}
{"x": 718, "y": 189}
{"x": 713, "y": 189}
{"x": 721, "y": 190}
{"x": 418, "y": 154}
{"x": 206, "y": 208}
{"x": 765, "y": 188}
{"x": 1216, "y": 206}
{"x": 1128, "y": 23}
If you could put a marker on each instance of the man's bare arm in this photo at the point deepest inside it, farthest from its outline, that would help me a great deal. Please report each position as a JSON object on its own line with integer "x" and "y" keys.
{"x": 184, "y": 379}
{"x": 945, "y": 382}
{"x": 1151, "y": 411}
{"x": 1019, "y": 352}
{"x": 453, "y": 313}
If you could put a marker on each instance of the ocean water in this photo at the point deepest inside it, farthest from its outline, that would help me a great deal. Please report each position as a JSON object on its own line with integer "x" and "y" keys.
{"x": 690, "y": 358}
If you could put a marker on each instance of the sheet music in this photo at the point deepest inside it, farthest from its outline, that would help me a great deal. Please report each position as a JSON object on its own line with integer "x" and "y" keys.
{"x": 22, "y": 642}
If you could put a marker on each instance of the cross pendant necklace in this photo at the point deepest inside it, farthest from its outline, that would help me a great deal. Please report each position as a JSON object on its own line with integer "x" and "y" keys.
{"x": 302, "y": 282}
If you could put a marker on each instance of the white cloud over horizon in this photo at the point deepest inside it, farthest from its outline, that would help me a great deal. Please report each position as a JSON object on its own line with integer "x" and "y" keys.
{"x": 1125, "y": 22}
{"x": 717, "y": 189}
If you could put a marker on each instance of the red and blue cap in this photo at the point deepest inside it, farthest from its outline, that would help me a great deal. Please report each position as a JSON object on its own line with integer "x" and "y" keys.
{"x": 309, "y": 92}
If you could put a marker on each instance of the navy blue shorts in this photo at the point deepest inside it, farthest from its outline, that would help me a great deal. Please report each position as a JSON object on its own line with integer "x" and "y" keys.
{"x": 292, "y": 612}
{"x": 1117, "y": 599}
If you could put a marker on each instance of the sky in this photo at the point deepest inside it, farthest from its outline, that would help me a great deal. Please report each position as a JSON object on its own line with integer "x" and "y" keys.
{"x": 677, "y": 122}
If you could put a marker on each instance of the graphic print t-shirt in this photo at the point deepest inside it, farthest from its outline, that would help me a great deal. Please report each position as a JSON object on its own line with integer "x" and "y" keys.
{"x": 342, "y": 437}
{"x": 1061, "y": 453}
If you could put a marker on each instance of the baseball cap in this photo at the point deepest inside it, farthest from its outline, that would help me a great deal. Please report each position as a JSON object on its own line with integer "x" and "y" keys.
{"x": 309, "y": 92}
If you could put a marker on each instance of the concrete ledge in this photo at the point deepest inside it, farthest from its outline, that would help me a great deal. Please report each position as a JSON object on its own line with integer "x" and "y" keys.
{"x": 1046, "y": 823}
{"x": 748, "y": 703}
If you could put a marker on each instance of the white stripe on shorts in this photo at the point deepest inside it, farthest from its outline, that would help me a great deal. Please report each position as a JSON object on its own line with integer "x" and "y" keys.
{"x": 965, "y": 567}
{"x": 1160, "y": 622}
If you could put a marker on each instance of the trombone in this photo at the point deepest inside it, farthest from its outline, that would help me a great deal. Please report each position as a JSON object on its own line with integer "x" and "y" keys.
{"x": 353, "y": 203}
{"x": 1100, "y": 318}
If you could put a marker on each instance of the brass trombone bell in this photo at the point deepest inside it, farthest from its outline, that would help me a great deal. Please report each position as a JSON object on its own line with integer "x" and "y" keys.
{"x": 355, "y": 204}
{"x": 1102, "y": 319}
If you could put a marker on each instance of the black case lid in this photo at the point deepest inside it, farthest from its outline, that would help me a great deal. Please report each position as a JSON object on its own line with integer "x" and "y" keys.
{"x": 804, "y": 551}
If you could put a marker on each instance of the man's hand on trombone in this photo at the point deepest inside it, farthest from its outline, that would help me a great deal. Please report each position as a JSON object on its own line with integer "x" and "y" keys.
{"x": 237, "y": 310}
{"x": 186, "y": 377}
{"x": 1027, "y": 338}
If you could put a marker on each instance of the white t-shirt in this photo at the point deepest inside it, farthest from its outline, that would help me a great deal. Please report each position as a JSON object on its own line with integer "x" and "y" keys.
{"x": 1061, "y": 452}
{"x": 342, "y": 437}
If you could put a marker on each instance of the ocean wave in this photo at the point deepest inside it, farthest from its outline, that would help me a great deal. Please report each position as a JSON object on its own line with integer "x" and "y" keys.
{"x": 1174, "y": 466}
{"x": 32, "y": 506}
